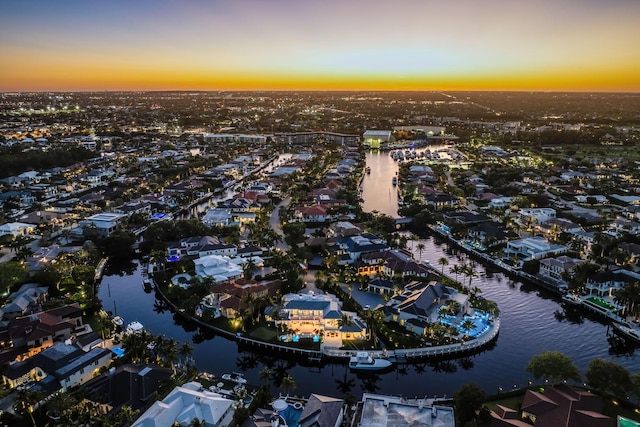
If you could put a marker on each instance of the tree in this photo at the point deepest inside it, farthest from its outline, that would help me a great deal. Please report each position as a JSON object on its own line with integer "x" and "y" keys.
{"x": 421, "y": 247}
{"x": 468, "y": 400}
{"x": 468, "y": 325}
{"x": 25, "y": 402}
{"x": 553, "y": 365}
{"x": 288, "y": 384}
{"x": 443, "y": 262}
{"x": 606, "y": 376}
{"x": 11, "y": 274}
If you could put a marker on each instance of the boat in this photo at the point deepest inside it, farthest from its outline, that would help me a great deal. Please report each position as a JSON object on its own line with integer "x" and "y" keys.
{"x": 630, "y": 333}
{"x": 365, "y": 361}
{"x": 235, "y": 377}
{"x": 368, "y": 170}
{"x": 571, "y": 298}
{"x": 146, "y": 284}
{"x": 118, "y": 321}
{"x": 134, "y": 327}
{"x": 394, "y": 181}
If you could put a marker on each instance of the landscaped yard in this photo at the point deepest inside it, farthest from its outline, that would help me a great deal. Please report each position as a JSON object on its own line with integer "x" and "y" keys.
{"x": 264, "y": 334}
{"x": 601, "y": 303}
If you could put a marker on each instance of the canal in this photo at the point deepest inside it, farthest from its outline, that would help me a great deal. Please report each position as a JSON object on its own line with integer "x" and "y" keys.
{"x": 532, "y": 321}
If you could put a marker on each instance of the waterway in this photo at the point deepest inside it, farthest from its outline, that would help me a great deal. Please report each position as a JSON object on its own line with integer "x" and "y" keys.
{"x": 532, "y": 321}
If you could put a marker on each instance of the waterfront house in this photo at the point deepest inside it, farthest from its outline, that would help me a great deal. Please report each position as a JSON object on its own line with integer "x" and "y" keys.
{"x": 130, "y": 385}
{"x": 307, "y": 314}
{"x": 606, "y": 283}
{"x": 355, "y": 246}
{"x": 103, "y": 223}
{"x": 488, "y": 234}
{"x": 322, "y": 411}
{"x": 423, "y": 301}
{"x": 314, "y": 213}
{"x": 186, "y": 403}
{"x": 553, "y": 269}
{"x": 559, "y": 405}
{"x": 387, "y": 411}
{"x": 532, "y": 248}
{"x": 219, "y": 268}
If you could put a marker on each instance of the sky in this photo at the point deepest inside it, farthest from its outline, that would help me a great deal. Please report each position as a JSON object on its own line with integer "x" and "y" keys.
{"x": 92, "y": 45}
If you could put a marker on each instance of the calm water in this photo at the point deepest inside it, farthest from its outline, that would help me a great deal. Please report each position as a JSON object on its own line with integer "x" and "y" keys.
{"x": 532, "y": 322}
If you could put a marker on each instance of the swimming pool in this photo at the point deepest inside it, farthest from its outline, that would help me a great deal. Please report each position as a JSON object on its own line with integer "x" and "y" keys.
{"x": 118, "y": 351}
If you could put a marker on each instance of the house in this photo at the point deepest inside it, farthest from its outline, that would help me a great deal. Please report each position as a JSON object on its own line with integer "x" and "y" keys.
{"x": 186, "y": 403}
{"x": 322, "y": 411}
{"x": 130, "y": 385}
{"x": 307, "y": 314}
{"x": 315, "y": 213}
{"x": 532, "y": 248}
{"x": 606, "y": 283}
{"x": 25, "y": 299}
{"x": 17, "y": 229}
{"x": 68, "y": 364}
{"x": 560, "y": 405}
{"x": 487, "y": 235}
{"x": 355, "y": 246}
{"x": 387, "y": 411}
{"x": 422, "y": 301}
{"x": 219, "y": 217}
{"x": 536, "y": 215}
{"x": 103, "y": 223}
{"x": 219, "y": 268}
{"x": 400, "y": 263}
{"x": 553, "y": 269}
{"x": 43, "y": 329}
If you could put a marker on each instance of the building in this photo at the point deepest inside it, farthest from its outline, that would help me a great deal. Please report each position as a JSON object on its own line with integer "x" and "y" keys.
{"x": 219, "y": 268}
{"x": 536, "y": 215}
{"x": 17, "y": 229}
{"x": 387, "y": 411}
{"x": 322, "y": 411}
{"x": 103, "y": 223}
{"x": 376, "y": 138}
{"x": 553, "y": 268}
{"x": 532, "y": 248}
{"x": 555, "y": 406}
{"x": 186, "y": 403}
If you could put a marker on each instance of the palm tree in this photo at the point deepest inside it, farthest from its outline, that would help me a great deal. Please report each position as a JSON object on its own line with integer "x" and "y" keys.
{"x": 288, "y": 384}
{"x": 128, "y": 413}
{"x": 470, "y": 273}
{"x": 442, "y": 261}
{"x": 455, "y": 270}
{"x": 25, "y": 402}
{"x": 629, "y": 297}
{"x": 421, "y": 248}
{"x": 468, "y": 325}
{"x": 185, "y": 350}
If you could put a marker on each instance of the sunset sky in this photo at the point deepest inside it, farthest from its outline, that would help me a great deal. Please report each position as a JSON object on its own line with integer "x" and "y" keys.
{"x": 64, "y": 45}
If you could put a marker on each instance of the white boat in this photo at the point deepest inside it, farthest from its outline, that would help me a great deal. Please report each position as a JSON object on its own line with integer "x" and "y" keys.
{"x": 365, "y": 361}
{"x": 630, "y": 333}
{"x": 235, "y": 377}
{"x": 571, "y": 298}
{"x": 134, "y": 327}
{"x": 118, "y": 321}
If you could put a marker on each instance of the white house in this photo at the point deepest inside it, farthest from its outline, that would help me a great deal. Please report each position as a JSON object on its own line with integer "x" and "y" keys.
{"x": 536, "y": 215}
{"x": 222, "y": 268}
{"x": 532, "y": 248}
{"x": 186, "y": 403}
{"x": 17, "y": 229}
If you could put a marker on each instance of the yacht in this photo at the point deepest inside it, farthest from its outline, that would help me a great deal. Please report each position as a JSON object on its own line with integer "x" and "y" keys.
{"x": 134, "y": 327}
{"x": 631, "y": 333}
{"x": 365, "y": 361}
{"x": 368, "y": 170}
{"x": 235, "y": 377}
{"x": 394, "y": 181}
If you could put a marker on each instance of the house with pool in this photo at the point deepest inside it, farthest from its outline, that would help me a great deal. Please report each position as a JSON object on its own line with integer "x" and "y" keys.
{"x": 311, "y": 315}
{"x": 422, "y": 304}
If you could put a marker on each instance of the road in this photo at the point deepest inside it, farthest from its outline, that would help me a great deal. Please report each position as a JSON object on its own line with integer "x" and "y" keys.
{"x": 274, "y": 222}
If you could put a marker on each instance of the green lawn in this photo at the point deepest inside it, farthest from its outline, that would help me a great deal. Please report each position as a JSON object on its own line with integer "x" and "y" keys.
{"x": 264, "y": 334}
{"x": 601, "y": 303}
